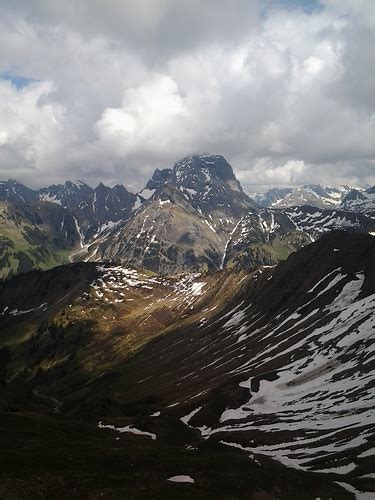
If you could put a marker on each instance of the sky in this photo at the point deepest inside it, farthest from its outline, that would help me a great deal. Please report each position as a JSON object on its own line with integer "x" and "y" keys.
{"x": 110, "y": 90}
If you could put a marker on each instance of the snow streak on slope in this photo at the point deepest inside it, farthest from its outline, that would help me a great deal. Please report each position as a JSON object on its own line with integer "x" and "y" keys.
{"x": 227, "y": 243}
{"x": 287, "y": 370}
{"x": 310, "y": 219}
{"x": 114, "y": 281}
{"x": 318, "y": 403}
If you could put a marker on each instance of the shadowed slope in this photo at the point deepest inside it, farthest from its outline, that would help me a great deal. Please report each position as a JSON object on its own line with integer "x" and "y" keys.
{"x": 277, "y": 362}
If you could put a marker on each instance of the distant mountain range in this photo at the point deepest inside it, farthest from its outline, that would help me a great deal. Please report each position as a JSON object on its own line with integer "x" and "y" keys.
{"x": 92, "y": 208}
{"x": 194, "y": 216}
{"x": 313, "y": 195}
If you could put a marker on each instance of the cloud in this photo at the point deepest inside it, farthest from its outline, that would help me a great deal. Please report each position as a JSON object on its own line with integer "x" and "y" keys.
{"x": 285, "y": 93}
{"x": 152, "y": 117}
{"x": 30, "y": 128}
{"x": 153, "y": 28}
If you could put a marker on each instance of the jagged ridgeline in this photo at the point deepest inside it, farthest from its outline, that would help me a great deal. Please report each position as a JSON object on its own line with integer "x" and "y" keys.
{"x": 192, "y": 217}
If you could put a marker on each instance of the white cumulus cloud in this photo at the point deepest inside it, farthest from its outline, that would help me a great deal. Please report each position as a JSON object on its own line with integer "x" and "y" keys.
{"x": 284, "y": 93}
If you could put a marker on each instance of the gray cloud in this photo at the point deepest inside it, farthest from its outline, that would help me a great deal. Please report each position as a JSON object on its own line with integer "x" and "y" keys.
{"x": 123, "y": 87}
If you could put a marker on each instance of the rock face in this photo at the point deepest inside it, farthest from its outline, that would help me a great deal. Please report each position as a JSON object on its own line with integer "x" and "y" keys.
{"x": 186, "y": 221}
{"x": 112, "y": 204}
{"x": 360, "y": 201}
{"x": 14, "y": 191}
{"x": 209, "y": 184}
{"x": 92, "y": 208}
{"x": 159, "y": 178}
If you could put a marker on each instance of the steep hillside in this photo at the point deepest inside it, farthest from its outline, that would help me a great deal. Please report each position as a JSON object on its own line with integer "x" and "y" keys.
{"x": 276, "y": 363}
{"x": 100, "y": 313}
{"x": 186, "y": 218}
{"x": 34, "y": 236}
{"x": 360, "y": 201}
{"x": 287, "y": 372}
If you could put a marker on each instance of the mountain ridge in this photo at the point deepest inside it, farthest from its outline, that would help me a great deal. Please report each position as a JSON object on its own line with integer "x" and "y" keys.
{"x": 274, "y": 362}
{"x": 194, "y": 216}
{"x": 317, "y": 195}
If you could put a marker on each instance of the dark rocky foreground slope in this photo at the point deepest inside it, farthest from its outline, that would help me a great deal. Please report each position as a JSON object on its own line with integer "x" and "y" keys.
{"x": 270, "y": 372}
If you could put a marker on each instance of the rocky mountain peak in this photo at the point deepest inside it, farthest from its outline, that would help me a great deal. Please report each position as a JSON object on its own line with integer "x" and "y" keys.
{"x": 77, "y": 184}
{"x": 14, "y": 191}
{"x": 159, "y": 178}
{"x": 206, "y": 181}
{"x": 101, "y": 186}
{"x": 195, "y": 170}
{"x": 112, "y": 204}
{"x": 69, "y": 194}
{"x": 354, "y": 194}
{"x": 361, "y": 201}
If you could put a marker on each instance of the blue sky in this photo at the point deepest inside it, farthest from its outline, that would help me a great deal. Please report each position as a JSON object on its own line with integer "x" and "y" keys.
{"x": 306, "y": 5}
{"x": 17, "y": 81}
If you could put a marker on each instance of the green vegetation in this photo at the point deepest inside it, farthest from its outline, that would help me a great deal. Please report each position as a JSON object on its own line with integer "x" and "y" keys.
{"x": 255, "y": 251}
{"x": 29, "y": 239}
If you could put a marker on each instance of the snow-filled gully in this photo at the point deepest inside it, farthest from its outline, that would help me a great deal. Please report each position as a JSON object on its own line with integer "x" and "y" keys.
{"x": 320, "y": 405}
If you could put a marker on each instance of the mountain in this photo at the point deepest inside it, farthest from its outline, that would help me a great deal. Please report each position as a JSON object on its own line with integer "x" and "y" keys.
{"x": 112, "y": 204}
{"x": 196, "y": 217}
{"x": 268, "y": 371}
{"x": 206, "y": 181}
{"x": 286, "y": 369}
{"x": 158, "y": 179}
{"x": 209, "y": 184}
{"x": 14, "y": 191}
{"x": 270, "y": 235}
{"x": 92, "y": 208}
{"x": 184, "y": 222}
{"x": 192, "y": 217}
{"x": 360, "y": 201}
{"x": 313, "y": 195}
{"x": 35, "y": 235}
{"x": 70, "y": 194}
